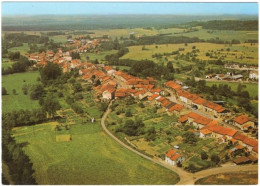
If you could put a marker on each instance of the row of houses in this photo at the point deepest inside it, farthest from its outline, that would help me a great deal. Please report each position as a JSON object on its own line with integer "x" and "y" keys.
{"x": 210, "y": 128}
{"x": 228, "y": 76}
{"x": 196, "y": 101}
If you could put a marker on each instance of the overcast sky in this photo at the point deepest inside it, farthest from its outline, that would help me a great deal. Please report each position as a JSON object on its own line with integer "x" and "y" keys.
{"x": 59, "y": 8}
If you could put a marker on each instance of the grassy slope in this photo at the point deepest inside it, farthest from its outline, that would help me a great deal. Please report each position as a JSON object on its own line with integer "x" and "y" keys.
{"x": 19, "y": 101}
{"x": 252, "y": 88}
{"x": 90, "y": 158}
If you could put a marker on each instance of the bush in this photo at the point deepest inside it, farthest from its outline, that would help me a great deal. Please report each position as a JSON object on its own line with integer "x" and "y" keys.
{"x": 128, "y": 113}
{"x": 203, "y": 155}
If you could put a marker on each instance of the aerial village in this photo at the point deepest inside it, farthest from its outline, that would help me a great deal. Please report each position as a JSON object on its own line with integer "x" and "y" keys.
{"x": 210, "y": 119}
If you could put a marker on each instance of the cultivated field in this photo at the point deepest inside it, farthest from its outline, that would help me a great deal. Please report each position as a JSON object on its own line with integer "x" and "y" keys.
{"x": 249, "y": 53}
{"x": 230, "y": 179}
{"x": 91, "y": 157}
{"x": 18, "y": 101}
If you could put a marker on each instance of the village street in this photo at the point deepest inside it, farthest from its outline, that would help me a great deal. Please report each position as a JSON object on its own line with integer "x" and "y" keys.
{"x": 186, "y": 178}
{"x": 173, "y": 98}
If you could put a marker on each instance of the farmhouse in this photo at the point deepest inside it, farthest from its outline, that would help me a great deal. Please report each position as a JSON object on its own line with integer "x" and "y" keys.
{"x": 243, "y": 122}
{"x": 253, "y": 75}
{"x": 173, "y": 157}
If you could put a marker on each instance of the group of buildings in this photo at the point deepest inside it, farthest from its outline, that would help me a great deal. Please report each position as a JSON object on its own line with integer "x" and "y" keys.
{"x": 115, "y": 84}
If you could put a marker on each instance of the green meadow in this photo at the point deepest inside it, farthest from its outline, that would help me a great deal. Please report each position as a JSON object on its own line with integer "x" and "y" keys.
{"x": 91, "y": 157}
{"x": 18, "y": 101}
{"x": 252, "y": 88}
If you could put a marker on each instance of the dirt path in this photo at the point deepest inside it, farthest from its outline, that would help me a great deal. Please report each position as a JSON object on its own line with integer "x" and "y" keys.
{"x": 186, "y": 178}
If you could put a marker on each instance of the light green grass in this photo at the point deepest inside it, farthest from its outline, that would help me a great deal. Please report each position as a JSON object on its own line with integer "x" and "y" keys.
{"x": 99, "y": 56}
{"x": 226, "y": 35}
{"x": 6, "y": 63}
{"x": 90, "y": 158}
{"x": 22, "y": 49}
{"x": 252, "y": 88}
{"x": 19, "y": 101}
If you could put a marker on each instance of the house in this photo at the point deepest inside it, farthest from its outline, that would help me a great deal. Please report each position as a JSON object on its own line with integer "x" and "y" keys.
{"x": 243, "y": 122}
{"x": 253, "y": 75}
{"x": 173, "y": 86}
{"x": 198, "y": 103}
{"x": 205, "y": 133}
{"x": 236, "y": 77}
{"x": 201, "y": 121}
{"x": 109, "y": 94}
{"x": 221, "y": 76}
{"x": 250, "y": 143}
{"x": 242, "y": 160}
{"x": 173, "y": 157}
{"x": 187, "y": 98}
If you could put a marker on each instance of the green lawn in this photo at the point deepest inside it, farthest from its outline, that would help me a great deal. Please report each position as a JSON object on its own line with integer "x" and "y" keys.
{"x": 252, "y": 88}
{"x": 19, "y": 101}
{"x": 91, "y": 157}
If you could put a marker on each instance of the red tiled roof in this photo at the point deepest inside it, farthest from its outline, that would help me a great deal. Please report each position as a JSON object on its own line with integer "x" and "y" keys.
{"x": 175, "y": 157}
{"x": 152, "y": 97}
{"x": 241, "y": 119}
{"x": 199, "y": 101}
{"x": 176, "y": 107}
{"x": 183, "y": 118}
{"x": 251, "y": 142}
{"x": 222, "y": 130}
{"x": 255, "y": 149}
{"x": 156, "y": 90}
{"x": 166, "y": 102}
{"x": 239, "y": 147}
{"x": 170, "y": 153}
{"x": 161, "y": 99}
{"x": 239, "y": 136}
{"x": 205, "y": 131}
{"x": 173, "y": 85}
{"x": 202, "y": 120}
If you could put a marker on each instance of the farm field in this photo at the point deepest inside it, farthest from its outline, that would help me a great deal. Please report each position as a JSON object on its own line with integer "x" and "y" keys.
{"x": 6, "y": 63}
{"x": 226, "y": 35}
{"x": 249, "y": 53}
{"x": 252, "y": 88}
{"x": 230, "y": 179}
{"x": 91, "y": 157}
{"x": 100, "y": 56}
{"x": 19, "y": 101}
{"x": 22, "y": 49}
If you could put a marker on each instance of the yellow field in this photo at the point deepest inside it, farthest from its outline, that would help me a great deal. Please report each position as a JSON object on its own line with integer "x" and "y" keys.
{"x": 63, "y": 138}
{"x": 245, "y": 49}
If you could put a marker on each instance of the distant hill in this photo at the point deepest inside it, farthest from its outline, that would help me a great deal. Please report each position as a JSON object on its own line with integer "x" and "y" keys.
{"x": 82, "y": 22}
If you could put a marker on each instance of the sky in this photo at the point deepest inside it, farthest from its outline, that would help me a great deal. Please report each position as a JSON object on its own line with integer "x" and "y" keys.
{"x": 67, "y": 8}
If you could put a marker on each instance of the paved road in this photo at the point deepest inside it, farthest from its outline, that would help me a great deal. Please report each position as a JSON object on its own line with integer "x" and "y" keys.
{"x": 186, "y": 178}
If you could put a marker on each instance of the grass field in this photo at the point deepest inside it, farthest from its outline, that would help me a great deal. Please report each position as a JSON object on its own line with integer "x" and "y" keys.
{"x": 230, "y": 179}
{"x": 249, "y": 53}
{"x": 6, "y": 63}
{"x": 99, "y": 56}
{"x": 19, "y": 101}
{"x": 226, "y": 35}
{"x": 252, "y": 88}
{"x": 91, "y": 157}
{"x": 22, "y": 49}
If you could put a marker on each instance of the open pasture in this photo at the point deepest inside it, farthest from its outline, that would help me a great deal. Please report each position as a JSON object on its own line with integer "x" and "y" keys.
{"x": 91, "y": 157}
{"x": 18, "y": 101}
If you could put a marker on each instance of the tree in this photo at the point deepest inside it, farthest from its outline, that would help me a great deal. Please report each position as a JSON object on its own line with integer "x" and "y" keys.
{"x": 203, "y": 155}
{"x": 51, "y": 105}
{"x": 50, "y": 72}
{"x": 151, "y": 134}
{"x": 25, "y": 89}
{"x": 77, "y": 87}
{"x": 128, "y": 113}
{"x": 170, "y": 67}
{"x": 214, "y": 158}
{"x": 14, "y": 91}
{"x": 189, "y": 138}
{"x": 37, "y": 91}
{"x": 4, "y": 91}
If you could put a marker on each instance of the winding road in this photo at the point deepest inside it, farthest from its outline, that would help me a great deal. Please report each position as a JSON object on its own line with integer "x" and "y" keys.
{"x": 186, "y": 178}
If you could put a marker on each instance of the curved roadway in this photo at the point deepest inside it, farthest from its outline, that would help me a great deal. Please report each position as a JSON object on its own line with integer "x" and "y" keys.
{"x": 186, "y": 178}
